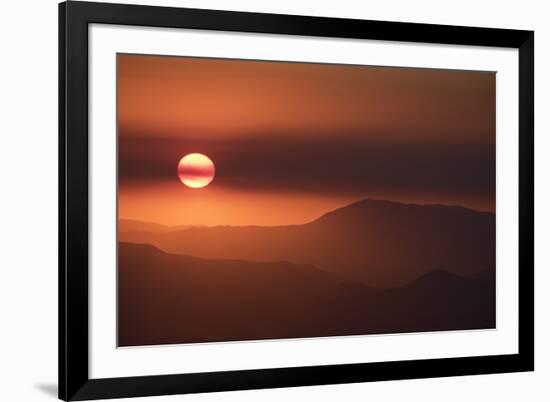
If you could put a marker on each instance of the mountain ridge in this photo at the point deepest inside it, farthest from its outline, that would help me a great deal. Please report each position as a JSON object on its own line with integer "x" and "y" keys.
{"x": 170, "y": 299}
{"x": 379, "y": 243}
{"x": 353, "y": 204}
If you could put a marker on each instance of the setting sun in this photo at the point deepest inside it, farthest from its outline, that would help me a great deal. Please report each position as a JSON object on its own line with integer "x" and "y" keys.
{"x": 196, "y": 170}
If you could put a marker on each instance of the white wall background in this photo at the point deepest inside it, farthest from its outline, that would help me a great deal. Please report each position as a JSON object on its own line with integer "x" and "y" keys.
{"x": 28, "y": 201}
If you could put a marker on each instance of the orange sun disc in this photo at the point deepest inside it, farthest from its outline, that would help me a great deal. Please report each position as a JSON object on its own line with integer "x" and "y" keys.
{"x": 196, "y": 170}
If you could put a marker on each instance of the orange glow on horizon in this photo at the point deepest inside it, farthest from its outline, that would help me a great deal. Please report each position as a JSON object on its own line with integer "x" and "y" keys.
{"x": 218, "y": 206}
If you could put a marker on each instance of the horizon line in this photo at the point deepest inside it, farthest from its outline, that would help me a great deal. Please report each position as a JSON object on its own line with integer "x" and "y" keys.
{"x": 188, "y": 226}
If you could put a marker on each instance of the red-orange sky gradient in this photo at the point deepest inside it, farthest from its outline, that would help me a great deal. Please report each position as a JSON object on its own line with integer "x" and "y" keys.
{"x": 292, "y": 141}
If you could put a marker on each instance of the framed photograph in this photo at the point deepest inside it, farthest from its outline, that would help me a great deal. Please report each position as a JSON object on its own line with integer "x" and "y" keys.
{"x": 257, "y": 200}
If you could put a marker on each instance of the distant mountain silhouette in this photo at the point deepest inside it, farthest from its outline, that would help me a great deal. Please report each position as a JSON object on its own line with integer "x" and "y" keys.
{"x": 131, "y": 225}
{"x": 128, "y": 225}
{"x": 166, "y": 299}
{"x": 380, "y": 243}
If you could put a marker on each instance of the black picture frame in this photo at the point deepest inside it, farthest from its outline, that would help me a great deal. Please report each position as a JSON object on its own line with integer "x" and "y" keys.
{"x": 74, "y": 380}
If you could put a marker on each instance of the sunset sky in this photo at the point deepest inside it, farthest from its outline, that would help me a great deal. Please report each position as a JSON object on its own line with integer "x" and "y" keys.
{"x": 292, "y": 141}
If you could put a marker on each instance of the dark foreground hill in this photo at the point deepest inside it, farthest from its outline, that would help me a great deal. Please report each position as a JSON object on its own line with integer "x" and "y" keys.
{"x": 168, "y": 299}
{"x": 380, "y": 243}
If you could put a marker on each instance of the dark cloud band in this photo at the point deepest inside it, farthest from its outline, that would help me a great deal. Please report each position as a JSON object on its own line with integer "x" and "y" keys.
{"x": 326, "y": 166}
